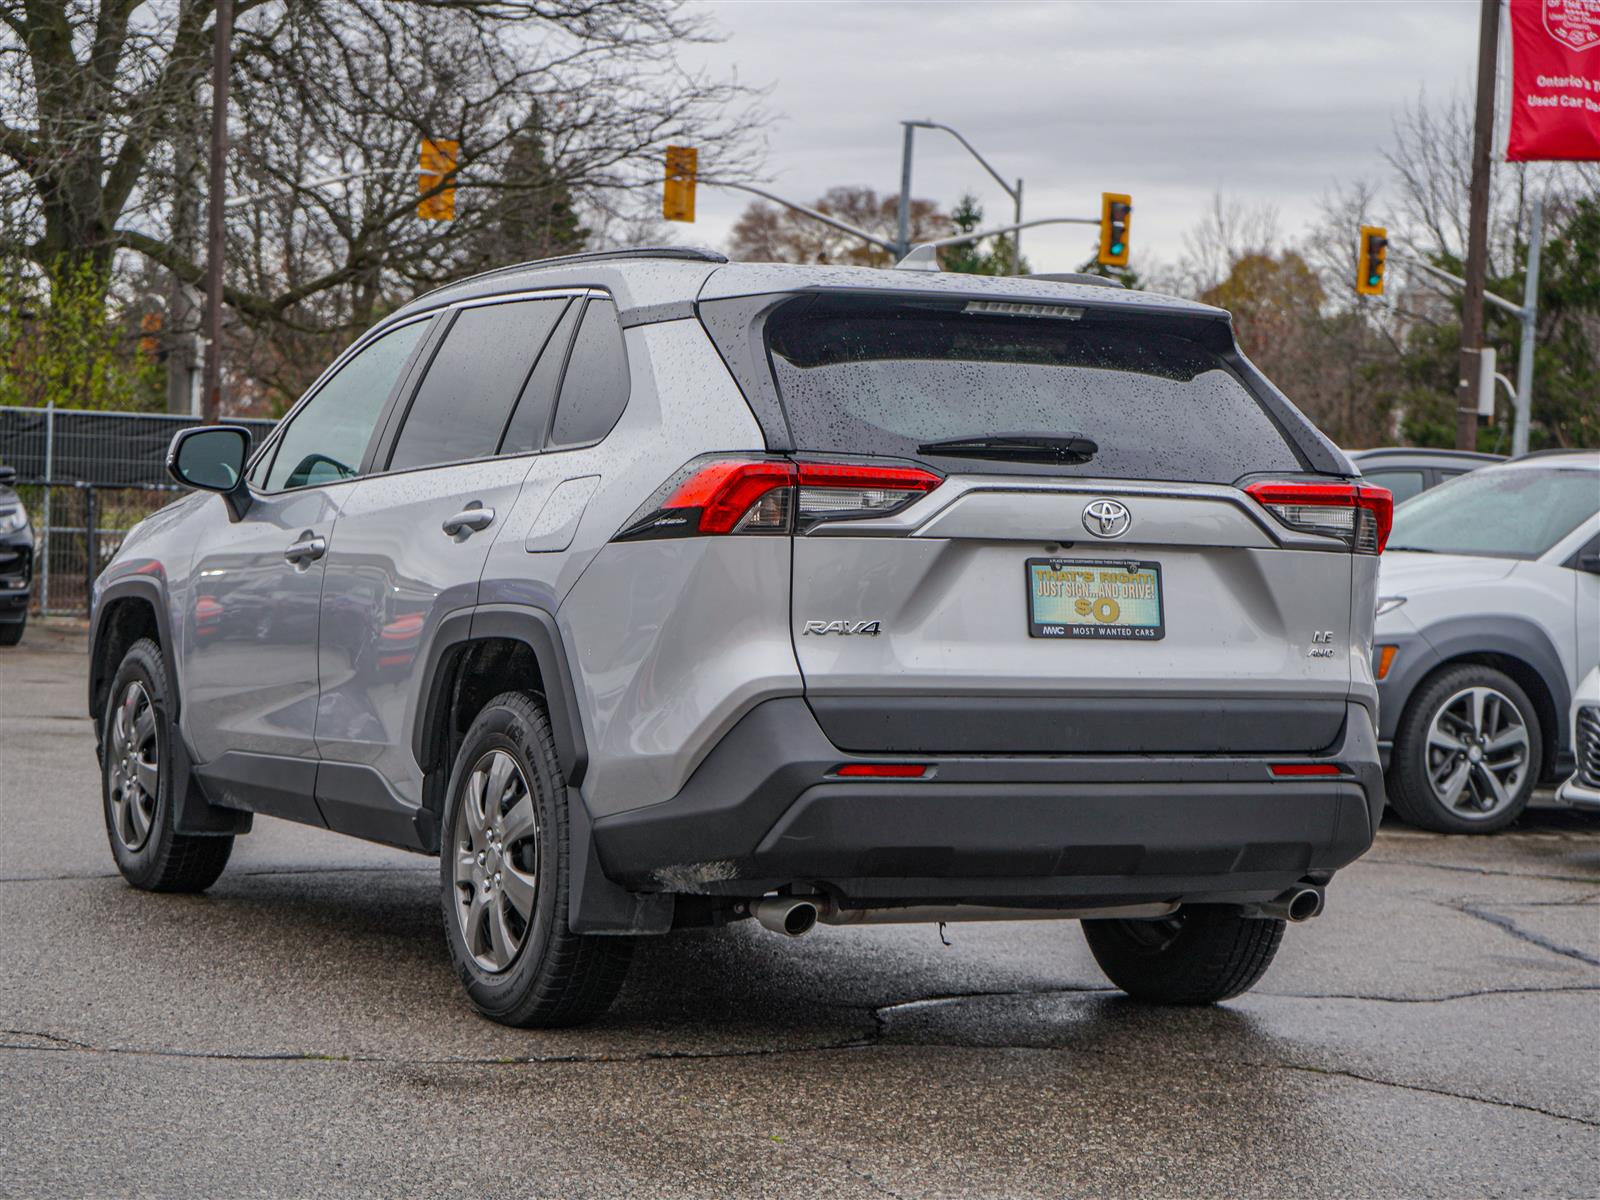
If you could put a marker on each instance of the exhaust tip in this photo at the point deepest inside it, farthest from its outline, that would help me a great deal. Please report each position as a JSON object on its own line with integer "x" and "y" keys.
{"x": 799, "y": 919}
{"x": 1305, "y": 904}
{"x": 792, "y": 918}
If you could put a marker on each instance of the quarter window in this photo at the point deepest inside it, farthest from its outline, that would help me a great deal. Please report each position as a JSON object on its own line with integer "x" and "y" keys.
{"x": 326, "y": 440}
{"x": 465, "y": 399}
{"x": 595, "y": 389}
{"x": 526, "y": 431}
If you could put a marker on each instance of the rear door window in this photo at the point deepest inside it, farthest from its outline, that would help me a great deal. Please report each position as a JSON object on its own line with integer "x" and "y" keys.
{"x": 595, "y": 389}
{"x": 465, "y": 399}
{"x": 886, "y": 378}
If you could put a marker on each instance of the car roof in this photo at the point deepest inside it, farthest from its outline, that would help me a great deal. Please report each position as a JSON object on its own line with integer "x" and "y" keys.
{"x": 1422, "y": 454}
{"x": 1583, "y": 460}
{"x": 664, "y": 278}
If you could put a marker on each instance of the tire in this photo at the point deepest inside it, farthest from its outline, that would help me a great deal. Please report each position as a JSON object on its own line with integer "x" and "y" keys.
{"x": 1200, "y": 955}
{"x": 11, "y": 632}
{"x": 138, "y": 790}
{"x": 505, "y": 879}
{"x": 1445, "y": 745}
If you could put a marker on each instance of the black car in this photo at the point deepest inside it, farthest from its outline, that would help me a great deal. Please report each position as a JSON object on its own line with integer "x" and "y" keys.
{"x": 16, "y": 560}
{"x": 1407, "y": 470}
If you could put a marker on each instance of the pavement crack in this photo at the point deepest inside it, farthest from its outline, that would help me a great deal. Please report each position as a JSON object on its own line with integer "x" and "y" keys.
{"x": 1526, "y": 935}
{"x": 1346, "y": 1073}
{"x": 1445, "y": 999}
{"x": 1489, "y": 871}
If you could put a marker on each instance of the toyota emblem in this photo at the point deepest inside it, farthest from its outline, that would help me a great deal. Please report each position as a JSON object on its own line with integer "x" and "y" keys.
{"x": 1106, "y": 518}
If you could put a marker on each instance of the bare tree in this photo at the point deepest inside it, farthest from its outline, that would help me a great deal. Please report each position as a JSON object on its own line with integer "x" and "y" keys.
{"x": 557, "y": 104}
{"x": 768, "y": 233}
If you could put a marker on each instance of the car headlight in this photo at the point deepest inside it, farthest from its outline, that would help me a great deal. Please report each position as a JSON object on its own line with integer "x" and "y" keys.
{"x": 1387, "y": 604}
{"x": 12, "y": 519}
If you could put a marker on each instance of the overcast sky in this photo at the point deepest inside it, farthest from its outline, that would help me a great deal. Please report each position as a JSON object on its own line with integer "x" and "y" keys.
{"x": 1171, "y": 102}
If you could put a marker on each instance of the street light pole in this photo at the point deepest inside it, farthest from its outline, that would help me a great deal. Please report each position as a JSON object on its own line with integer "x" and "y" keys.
{"x": 1530, "y": 315}
{"x": 221, "y": 61}
{"x": 905, "y": 186}
{"x": 903, "y": 226}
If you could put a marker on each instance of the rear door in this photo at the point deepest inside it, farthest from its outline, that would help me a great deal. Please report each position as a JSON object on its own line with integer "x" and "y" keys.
{"x": 1099, "y": 582}
{"x": 411, "y": 544}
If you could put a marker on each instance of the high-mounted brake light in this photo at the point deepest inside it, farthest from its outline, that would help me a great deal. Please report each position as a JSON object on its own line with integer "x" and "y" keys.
{"x": 718, "y": 494}
{"x": 1359, "y": 514}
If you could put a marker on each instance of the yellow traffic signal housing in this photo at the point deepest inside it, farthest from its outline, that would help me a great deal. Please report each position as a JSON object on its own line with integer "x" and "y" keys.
{"x": 438, "y": 162}
{"x": 1115, "y": 211}
{"x": 1371, "y": 259}
{"x": 677, "y": 199}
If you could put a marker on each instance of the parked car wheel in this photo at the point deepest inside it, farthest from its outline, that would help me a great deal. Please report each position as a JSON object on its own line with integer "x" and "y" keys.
{"x": 1467, "y": 752}
{"x": 11, "y": 632}
{"x": 139, "y": 788}
{"x": 1199, "y": 955}
{"x": 505, "y": 879}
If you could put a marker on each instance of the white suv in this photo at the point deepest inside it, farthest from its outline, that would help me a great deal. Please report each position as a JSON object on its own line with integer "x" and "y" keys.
{"x": 1488, "y": 616}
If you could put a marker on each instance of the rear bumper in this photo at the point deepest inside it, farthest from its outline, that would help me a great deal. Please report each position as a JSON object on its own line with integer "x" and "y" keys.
{"x": 765, "y": 810}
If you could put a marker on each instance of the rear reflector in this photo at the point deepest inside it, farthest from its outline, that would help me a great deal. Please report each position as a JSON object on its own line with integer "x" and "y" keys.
{"x": 882, "y": 770}
{"x": 1358, "y": 514}
{"x": 718, "y": 494}
{"x": 1289, "y": 770}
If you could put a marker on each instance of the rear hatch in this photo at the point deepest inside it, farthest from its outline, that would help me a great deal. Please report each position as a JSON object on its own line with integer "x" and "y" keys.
{"x": 1026, "y": 528}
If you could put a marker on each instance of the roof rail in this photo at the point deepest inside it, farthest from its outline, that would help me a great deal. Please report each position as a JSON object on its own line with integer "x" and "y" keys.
{"x": 687, "y": 253}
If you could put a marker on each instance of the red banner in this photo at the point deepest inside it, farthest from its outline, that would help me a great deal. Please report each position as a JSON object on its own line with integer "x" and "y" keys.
{"x": 1555, "y": 80}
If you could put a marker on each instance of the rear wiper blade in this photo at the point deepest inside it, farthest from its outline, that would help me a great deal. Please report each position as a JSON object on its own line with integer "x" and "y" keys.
{"x": 1065, "y": 448}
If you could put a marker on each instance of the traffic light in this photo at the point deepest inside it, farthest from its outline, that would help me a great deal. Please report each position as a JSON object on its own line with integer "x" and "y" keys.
{"x": 677, "y": 199}
{"x": 1371, "y": 259}
{"x": 1115, "y": 209}
{"x": 438, "y": 161}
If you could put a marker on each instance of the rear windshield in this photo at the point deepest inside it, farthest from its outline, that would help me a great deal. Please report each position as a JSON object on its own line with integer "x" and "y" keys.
{"x": 868, "y": 377}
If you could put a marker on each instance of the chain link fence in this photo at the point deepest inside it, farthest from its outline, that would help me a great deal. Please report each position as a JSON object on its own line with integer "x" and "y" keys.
{"x": 87, "y": 478}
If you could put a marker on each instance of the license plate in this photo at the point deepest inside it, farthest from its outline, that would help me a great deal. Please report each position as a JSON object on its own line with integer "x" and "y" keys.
{"x": 1091, "y": 598}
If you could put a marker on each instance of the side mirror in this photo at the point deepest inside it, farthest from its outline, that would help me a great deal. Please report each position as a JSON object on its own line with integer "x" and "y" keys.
{"x": 1589, "y": 561}
{"x": 212, "y": 458}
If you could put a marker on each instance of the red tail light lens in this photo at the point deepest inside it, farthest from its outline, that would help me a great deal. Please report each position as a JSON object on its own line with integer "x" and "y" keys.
{"x": 881, "y": 770}
{"x": 1357, "y": 513}
{"x": 746, "y": 494}
{"x": 1295, "y": 770}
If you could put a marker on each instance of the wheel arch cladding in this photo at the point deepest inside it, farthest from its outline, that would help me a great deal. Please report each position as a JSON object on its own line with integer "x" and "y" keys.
{"x": 1523, "y": 651}
{"x": 128, "y": 610}
{"x": 499, "y": 629}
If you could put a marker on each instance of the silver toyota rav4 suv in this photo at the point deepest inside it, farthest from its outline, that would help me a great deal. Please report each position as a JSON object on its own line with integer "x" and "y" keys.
{"x": 650, "y": 591}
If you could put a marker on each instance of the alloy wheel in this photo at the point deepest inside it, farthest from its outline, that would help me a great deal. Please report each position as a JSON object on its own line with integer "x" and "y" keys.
{"x": 1477, "y": 753}
{"x": 134, "y": 765}
{"x": 495, "y": 845}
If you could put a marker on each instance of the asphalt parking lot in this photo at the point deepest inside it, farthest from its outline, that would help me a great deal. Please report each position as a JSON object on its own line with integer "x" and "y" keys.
{"x": 297, "y": 1031}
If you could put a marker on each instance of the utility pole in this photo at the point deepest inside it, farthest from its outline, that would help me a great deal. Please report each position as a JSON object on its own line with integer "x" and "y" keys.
{"x": 1477, "y": 230}
{"x": 221, "y": 61}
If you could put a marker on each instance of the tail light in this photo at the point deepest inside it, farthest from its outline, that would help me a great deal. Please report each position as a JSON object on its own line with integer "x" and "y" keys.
{"x": 718, "y": 494}
{"x": 1359, "y": 514}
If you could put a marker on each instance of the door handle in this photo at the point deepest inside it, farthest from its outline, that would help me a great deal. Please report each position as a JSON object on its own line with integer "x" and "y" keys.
{"x": 469, "y": 520}
{"x": 306, "y": 550}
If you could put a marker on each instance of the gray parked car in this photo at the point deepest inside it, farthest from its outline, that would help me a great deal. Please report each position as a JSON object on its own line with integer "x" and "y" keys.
{"x": 651, "y": 591}
{"x": 1409, "y": 470}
